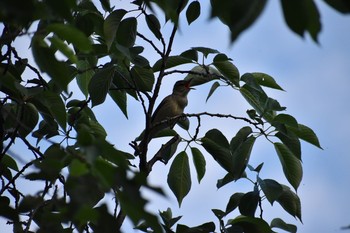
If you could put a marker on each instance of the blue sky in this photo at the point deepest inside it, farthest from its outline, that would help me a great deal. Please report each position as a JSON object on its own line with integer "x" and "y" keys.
{"x": 316, "y": 80}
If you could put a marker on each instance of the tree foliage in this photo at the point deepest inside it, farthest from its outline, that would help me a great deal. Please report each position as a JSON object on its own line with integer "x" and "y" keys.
{"x": 93, "y": 44}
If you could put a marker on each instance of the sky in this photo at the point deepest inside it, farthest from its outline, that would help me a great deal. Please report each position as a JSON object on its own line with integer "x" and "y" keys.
{"x": 316, "y": 79}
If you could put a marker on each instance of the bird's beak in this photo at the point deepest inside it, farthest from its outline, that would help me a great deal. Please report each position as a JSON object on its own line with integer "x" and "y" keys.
{"x": 188, "y": 84}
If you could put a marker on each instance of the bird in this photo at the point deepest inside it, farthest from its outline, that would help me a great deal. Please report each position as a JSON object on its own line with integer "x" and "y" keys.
{"x": 171, "y": 106}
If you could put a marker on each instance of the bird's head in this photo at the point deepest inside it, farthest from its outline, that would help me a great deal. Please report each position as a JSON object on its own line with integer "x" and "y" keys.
{"x": 182, "y": 87}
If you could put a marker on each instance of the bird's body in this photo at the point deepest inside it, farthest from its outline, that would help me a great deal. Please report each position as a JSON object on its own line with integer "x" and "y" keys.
{"x": 171, "y": 106}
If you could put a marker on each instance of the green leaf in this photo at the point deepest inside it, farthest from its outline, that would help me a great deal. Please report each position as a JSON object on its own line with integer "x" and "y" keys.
{"x": 190, "y": 54}
{"x": 271, "y": 188}
{"x": 218, "y": 213}
{"x": 302, "y": 16}
{"x": 241, "y": 146}
{"x": 184, "y": 123}
{"x": 119, "y": 97}
{"x": 249, "y": 79}
{"x": 279, "y": 223}
{"x": 342, "y": 6}
{"x": 179, "y": 177}
{"x": 291, "y": 165}
{"x": 47, "y": 62}
{"x": 227, "y": 69}
{"x": 199, "y": 163}
{"x": 193, "y": 11}
{"x": 240, "y": 137}
{"x": 111, "y": 24}
{"x": 97, "y": 129}
{"x": 250, "y": 224}
{"x": 71, "y": 35}
{"x": 249, "y": 203}
{"x": 212, "y": 89}
{"x": 290, "y": 202}
{"x": 200, "y": 75}
{"x": 205, "y": 51}
{"x": 168, "y": 219}
{"x": 286, "y": 120}
{"x": 266, "y": 80}
{"x": 106, "y": 172}
{"x": 233, "y": 203}
{"x": 216, "y": 136}
{"x": 228, "y": 178}
{"x": 29, "y": 203}
{"x": 78, "y": 168}
{"x": 55, "y": 106}
{"x": 126, "y": 33}
{"x": 143, "y": 77}
{"x": 169, "y": 151}
{"x": 84, "y": 76}
{"x": 257, "y": 100}
{"x": 9, "y": 162}
{"x": 100, "y": 84}
{"x": 154, "y": 25}
{"x": 236, "y": 14}
{"x": 172, "y": 61}
{"x": 106, "y": 5}
{"x": 206, "y": 227}
{"x": 85, "y": 184}
{"x": 64, "y": 48}
{"x": 6, "y": 210}
{"x": 291, "y": 141}
{"x": 306, "y": 134}
{"x": 220, "y": 153}
{"x": 28, "y": 120}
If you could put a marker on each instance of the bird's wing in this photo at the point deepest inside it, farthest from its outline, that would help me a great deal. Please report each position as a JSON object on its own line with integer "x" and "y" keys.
{"x": 163, "y": 109}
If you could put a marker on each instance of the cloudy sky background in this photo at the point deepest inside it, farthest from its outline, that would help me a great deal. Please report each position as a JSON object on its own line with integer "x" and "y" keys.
{"x": 316, "y": 79}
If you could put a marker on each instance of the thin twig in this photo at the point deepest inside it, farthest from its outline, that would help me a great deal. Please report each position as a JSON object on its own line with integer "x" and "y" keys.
{"x": 151, "y": 43}
{"x": 17, "y": 175}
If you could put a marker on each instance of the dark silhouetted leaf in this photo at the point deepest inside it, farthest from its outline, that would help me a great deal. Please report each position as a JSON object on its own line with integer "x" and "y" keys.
{"x": 291, "y": 165}
{"x": 71, "y": 35}
{"x": 291, "y": 141}
{"x": 250, "y": 224}
{"x": 227, "y": 69}
{"x": 84, "y": 76}
{"x": 306, "y": 134}
{"x": 279, "y": 223}
{"x": 199, "y": 163}
{"x": 179, "y": 177}
{"x": 212, "y": 89}
{"x": 217, "y": 145}
{"x": 143, "y": 77}
{"x": 119, "y": 97}
{"x": 29, "y": 119}
{"x": 154, "y": 25}
{"x": 100, "y": 84}
{"x": 218, "y": 213}
{"x": 271, "y": 188}
{"x": 290, "y": 202}
{"x": 172, "y": 61}
{"x": 342, "y": 6}
{"x": 193, "y": 11}
{"x": 266, "y": 80}
{"x": 205, "y": 51}
{"x": 248, "y": 203}
{"x": 236, "y": 14}
{"x": 126, "y": 33}
{"x": 302, "y": 16}
{"x": 233, "y": 203}
{"x": 111, "y": 24}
